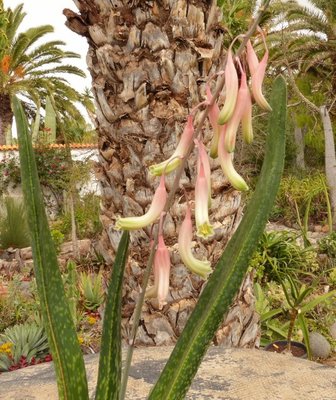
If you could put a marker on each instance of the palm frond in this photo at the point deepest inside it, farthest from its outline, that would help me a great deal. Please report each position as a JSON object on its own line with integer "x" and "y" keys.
{"x": 14, "y": 19}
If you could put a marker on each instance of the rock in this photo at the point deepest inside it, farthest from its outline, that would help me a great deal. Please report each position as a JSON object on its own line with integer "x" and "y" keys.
{"x": 3, "y": 290}
{"x": 26, "y": 253}
{"x": 325, "y": 228}
{"x": 332, "y": 330}
{"x": 319, "y": 345}
{"x": 318, "y": 228}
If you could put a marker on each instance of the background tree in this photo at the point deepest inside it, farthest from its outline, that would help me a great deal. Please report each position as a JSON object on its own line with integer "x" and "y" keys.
{"x": 35, "y": 71}
{"x": 149, "y": 63}
{"x": 303, "y": 45}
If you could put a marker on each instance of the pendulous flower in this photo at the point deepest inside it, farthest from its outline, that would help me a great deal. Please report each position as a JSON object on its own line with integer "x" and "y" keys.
{"x": 202, "y": 268}
{"x": 225, "y": 160}
{"x": 243, "y": 108}
{"x": 204, "y": 159}
{"x": 251, "y": 57}
{"x": 153, "y": 213}
{"x": 231, "y": 90}
{"x": 257, "y": 75}
{"x": 202, "y": 195}
{"x": 246, "y": 120}
{"x": 160, "y": 289}
{"x": 169, "y": 165}
{"x": 213, "y": 114}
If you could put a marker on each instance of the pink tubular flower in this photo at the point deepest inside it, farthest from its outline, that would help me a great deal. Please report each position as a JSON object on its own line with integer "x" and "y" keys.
{"x": 165, "y": 167}
{"x": 258, "y": 73}
{"x": 204, "y": 159}
{"x": 242, "y": 105}
{"x": 204, "y": 228}
{"x": 153, "y": 213}
{"x": 246, "y": 120}
{"x": 257, "y": 81}
{"x": 202, "y": 268}
{"x": 225, "y": 160}
{"x": 231, "y": 87}
{"x": 161, "y": 273}
{"x": 251, "y": 57}
{"x": 213, "y": 115}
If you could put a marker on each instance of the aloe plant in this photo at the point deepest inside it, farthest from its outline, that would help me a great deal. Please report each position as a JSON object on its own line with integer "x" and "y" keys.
{"x": 212, "y": 305}
{"x": 59, "y": 325}
{"x": 27, "y": 340}
{"x": 225, "y": 281}
{"x": 14, "y": 230}
{"x": 92, "y": 291}
{"x": 69, "y": 364}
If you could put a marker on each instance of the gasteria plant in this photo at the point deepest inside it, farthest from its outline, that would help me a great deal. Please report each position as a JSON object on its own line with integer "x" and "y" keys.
{"x": 220, "y": 288}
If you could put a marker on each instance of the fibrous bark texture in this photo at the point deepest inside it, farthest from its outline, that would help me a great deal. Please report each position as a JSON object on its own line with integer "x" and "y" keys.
{"x": 6, "y": 117}
{"x": 149, "y": 62}
{"x": 299, "y": 143}
{"x": 330, "y": 159}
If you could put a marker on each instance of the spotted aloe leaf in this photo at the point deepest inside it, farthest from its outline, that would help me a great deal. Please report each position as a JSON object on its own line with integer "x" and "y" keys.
{"x": 227, "y": 277}
{"x": 62, "y": 338}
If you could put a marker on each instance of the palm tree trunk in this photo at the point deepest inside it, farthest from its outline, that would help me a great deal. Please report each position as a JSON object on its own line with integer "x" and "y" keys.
{"x": 149, "y": 62}
{"x": 330, "y": 159}
{"x": 299, "y": 143}
{"x": 6, "y": 117}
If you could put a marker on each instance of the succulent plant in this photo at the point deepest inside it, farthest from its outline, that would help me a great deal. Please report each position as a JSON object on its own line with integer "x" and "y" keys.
{"x": 22, "y": 342}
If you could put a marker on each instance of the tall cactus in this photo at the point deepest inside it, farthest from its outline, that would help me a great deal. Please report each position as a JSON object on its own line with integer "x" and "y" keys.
{"x": 50, "y": 121}
{"x": 232, "y": 266}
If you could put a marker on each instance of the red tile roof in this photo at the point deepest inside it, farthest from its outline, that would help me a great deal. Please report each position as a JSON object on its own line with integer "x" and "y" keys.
{"x": 55, "y": 146}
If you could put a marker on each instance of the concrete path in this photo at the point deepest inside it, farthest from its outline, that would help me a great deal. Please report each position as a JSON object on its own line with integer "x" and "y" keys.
{"x": 229, "y": 374}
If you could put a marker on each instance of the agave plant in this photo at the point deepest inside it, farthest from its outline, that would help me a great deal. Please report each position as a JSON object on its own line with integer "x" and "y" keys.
{"x": 14, "y": 231}
{"x": 92, "y": 291}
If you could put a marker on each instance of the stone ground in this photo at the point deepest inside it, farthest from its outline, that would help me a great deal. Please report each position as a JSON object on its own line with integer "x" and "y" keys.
{"x": 228, "y": 374}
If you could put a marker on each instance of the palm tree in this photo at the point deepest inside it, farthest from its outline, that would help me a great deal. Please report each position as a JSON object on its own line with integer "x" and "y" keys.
{"x": 149, "y": 62}
{"x": 307, "y": 39}
{"x": 35, "y": 71}
{"x": 305, "y": 47}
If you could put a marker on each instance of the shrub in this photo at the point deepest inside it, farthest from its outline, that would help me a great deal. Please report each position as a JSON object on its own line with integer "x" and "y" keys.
{"x": 279, "y": 253}
{"x": 58, "y": 238}
{"x": 53, "y": 168}
{"x": 18, "y": 305}
{"x": 327, "y": 245}
{"x": 87, "y": 211}
{"x": 296, "y": 191}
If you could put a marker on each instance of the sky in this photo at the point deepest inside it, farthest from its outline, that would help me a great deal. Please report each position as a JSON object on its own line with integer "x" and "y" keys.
{"x": 49, "y": 12}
